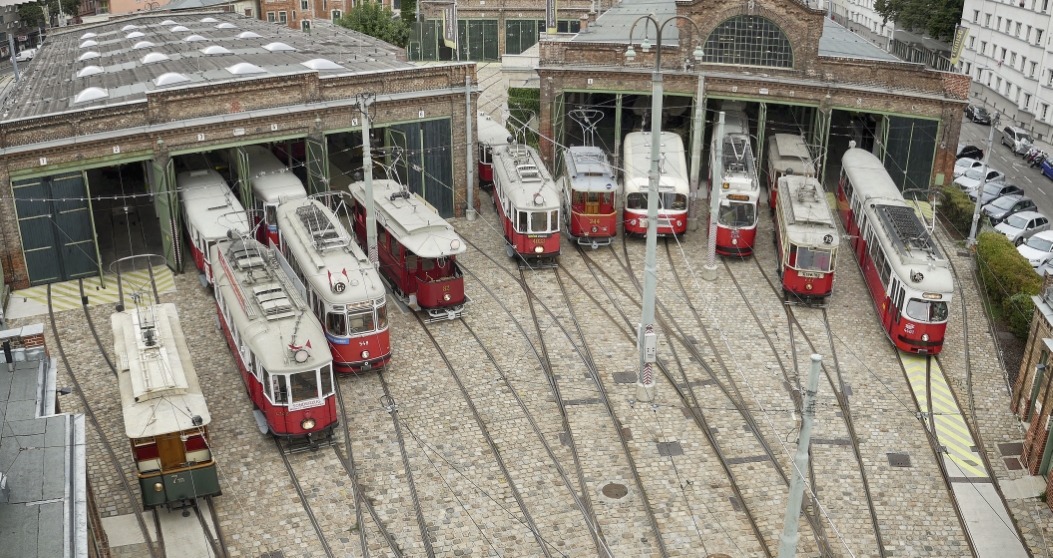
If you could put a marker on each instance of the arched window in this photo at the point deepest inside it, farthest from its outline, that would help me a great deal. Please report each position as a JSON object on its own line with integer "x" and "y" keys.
{"x": 749, "y": 41}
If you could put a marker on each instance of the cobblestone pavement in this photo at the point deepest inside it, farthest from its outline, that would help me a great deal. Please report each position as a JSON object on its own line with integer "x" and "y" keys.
{"x": 466, "y": 501}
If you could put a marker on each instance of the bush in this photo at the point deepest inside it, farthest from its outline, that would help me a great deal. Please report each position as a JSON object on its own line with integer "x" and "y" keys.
{"x": 1009, "y": 280}
{"x": 957, "y": 208}
{"x": 1017, "y": 311}
{"x": 522, "y": 105}
{"x": 375, "y": 20}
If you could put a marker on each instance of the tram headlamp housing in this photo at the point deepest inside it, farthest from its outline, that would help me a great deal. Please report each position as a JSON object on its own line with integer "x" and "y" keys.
{"x": 365, "y": 354}
{"x": 595, "y": 229}
{"x": 734, "y": 241}
{"x": 808, "y": 287}
{"x": 307, "y": 423}
{"x": 446, "y": 297}
{"x": 158, "y": 487}
{"x": 539, "y": 249}
{"x": 924, "y": 336}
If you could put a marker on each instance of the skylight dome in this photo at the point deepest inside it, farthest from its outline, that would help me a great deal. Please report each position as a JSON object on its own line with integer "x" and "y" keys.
{"x": 143, "y": 44}
{"x": 278, "y": 47}
{"x": 170, "y": 78}
{"x": 154, "y": 57}
{"x": 245, "y": 69}
{"x": 209, "y": 20}
{"x": 88, "y": 36}
{"x": 88, "y": 55}
{"x": 214, "y": 50}
{"x": 89, "y": 43}
{"x": 168, "y": 22}
{"x": 178, "y": 29}
{"x": 135, "y": 35}
{"x": 226, "y": 26}
{"x": 322, "y": 64}
{"x": 89, "y": 71}
{"x": 249, "y": 35}
{"x": 195, "y": 39}
{"x": 129, "y": 27}
{"x": 90, "y": 94}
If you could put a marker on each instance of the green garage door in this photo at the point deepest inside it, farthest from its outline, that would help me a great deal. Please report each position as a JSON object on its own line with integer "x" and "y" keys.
{"x": 54, "y": 218}
{"x": 478, "y": 39}
{"x": 428, "y": 161}
{"x": 910, "y": 149}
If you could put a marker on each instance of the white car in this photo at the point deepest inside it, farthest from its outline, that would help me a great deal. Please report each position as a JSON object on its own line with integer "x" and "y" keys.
{"x": 26, "y": 55}
{"x": 1021, "y": 226}
{"x": 1038, "y": 249}
{"x": 971, "y": 179}
{"x": 964, "y": 164}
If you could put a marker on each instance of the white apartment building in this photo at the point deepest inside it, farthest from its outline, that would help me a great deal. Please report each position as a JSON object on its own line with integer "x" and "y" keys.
{"x": 860, "y": 17}
{"x": 1007, "y": 54}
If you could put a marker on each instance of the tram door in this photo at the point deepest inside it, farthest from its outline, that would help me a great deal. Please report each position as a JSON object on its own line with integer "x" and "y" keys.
{"x": 170, "y": 450}
{"x": 592, "y": 203}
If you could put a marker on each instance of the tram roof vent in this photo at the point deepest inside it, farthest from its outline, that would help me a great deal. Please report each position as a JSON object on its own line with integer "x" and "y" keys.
{"x": 273, "y": 300}
{"x": 906, "y": 230}
{"x": 323, "y": 231}
{"x": 528, "y": 172}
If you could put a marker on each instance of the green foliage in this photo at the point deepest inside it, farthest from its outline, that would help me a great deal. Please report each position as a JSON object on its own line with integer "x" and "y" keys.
{"x": 938, "y": 18}
{"x": 1009, "y": 279}
{"x": 522, "y": 105}
{"x": 375, "y": 20}
{"x": 957, "y": 208}
{"x": 32, "y": 14}
{"x": 409, "y": 11}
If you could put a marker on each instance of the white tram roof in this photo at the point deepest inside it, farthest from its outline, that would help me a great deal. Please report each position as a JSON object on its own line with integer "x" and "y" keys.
{"x": 805, "y": 211}
{"x": 523, "y": 179}
{"x": 789, "y": 151}
{"x": 637, "y": 163}
{"x": 210, "y": 206}
{"x": 736, "y": 122}
{"x": 490, "y": 131}
{"x": 326, "y": 252}
{"x": 868, "y": 176}
{"x": 160, "y": 392}
{"x": 588, "y": 169}
{"x": 412, "y": 221}
{"x": 266, "y": 308}
{"x": 272, "y": 181}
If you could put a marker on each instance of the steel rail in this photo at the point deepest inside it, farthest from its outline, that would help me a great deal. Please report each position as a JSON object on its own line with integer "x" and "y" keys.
{"x": 215, "y": 523}
{"x": 208, "y": 532}
{"x": 91, "y": 326}
{"x": 303, "y": 500}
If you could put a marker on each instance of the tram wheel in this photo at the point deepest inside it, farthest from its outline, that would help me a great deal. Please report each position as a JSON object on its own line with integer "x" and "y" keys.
{"x": 510, "y": 250}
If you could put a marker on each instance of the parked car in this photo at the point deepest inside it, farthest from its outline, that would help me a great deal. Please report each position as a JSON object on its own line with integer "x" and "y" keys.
{"x": 971, "y": 179}
{"x": 1000, "y": 209}
{"x": 1038, "y": 250}
{"x": 970, "y": 151}
{"x": 978, "y": 114}
{"x": 995, "y": 190}
{"x": 26, "y": 55}
{"x": 1021, "y": 226}
{"x": 1017, "y": 139}
{"x": 964, "y": 164}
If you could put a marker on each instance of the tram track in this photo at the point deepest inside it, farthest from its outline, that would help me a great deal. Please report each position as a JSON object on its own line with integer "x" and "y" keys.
{"x": 303, "y": 499}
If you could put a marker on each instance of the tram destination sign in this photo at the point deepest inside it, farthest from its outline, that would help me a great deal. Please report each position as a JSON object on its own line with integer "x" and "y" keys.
{"x": 306, "y": 404}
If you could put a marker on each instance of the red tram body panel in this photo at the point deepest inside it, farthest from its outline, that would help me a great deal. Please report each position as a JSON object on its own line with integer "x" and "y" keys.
{"x": 787, "y": 155}
{"x": 328, "y": 268}
{"x": 527, "y": 202}
{"x": 490, "y": 133}
{"x": 417, "y": 249}
{"x": 909, "y": 279}
{"x": 280, "y": 349}
{"x": 806, "y": 237}
{"x": 210, "y": 209}
{"x": 737, "y": 187}
{"x": 590, "y": 191}
{"x": 673, "y": 185}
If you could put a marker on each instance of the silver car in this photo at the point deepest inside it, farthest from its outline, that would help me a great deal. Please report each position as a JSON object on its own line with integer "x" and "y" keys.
{"x": 1038, "y": 249}
{"x": 1021, "y": 226}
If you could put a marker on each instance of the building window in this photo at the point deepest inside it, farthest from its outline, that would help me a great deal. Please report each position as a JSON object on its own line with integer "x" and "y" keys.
{"x": 1027, "y": 101}
{"x": 1027, "y": 36}
{"x": 749, "y": 41}
{"x": 270, "y": 17}
{"x": 1018, "y": 24}
{"x": 1000, "y": 58}
{"x": 968, "y": 67}
{"x": 972, "y": 43}
{"x": 305, "y": 26}
{"x": 987, "y": 20}
{"x": 1038, "y": 36}
{"x": 336, "y": 15}
{"x": 983, "y": 48}
{"x": 1045, "y": 110}
{"x": 303, "y": 5}
{"x": 998, "y": 25}
{"x": 1034, "y": 66}
{"x": 283, "y": 17}
{"x": 294, "y": 15}
{"x": 1049, "y": 77}
{"x": 1012, "y": 59}
{"x": 1045, "y": 5}
{"x": 976, "y": 16}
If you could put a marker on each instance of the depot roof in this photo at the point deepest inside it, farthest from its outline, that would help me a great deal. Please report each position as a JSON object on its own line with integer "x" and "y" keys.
{"x": 123, "y": 61}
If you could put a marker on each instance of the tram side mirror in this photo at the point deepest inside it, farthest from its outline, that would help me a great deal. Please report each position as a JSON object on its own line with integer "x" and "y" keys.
{"x": 196, "y": 420}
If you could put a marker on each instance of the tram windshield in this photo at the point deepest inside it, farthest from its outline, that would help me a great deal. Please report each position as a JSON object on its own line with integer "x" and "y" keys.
{"x": 737, "y": 214}
{"x": 271, "y": 214}
{"x": 304, "y": 385}
{"x": 539, "y": 221}
{"x": 593, "y": 202}
{"x": 813, "y": 259}
{"x": 668, "y": 201}
{"x": 927, "y": 310}
{"x": 360, "y": 321}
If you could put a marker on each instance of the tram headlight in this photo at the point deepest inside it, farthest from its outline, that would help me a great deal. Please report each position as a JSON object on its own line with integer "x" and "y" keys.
{"x": 808, "y": 287}
{"x": 365, "y": 354}
{"x": 307, "y": 423}
{"x": 734, "y": 241}
{"x": 632, "y": 221}
{"x": 595, "y": 229}
{"x": 539, "y": 249}
{"x": 158, "y": 487}
{"x": 679, "y": 223}
{"x": 924, "y": 336}
{"x": 446, "y": 297}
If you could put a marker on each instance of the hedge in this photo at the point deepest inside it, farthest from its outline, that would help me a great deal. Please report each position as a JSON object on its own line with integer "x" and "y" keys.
{"x": 1009, "y": 280}
{"x": 522, "y": 104}
{"x": 957, "y": 208}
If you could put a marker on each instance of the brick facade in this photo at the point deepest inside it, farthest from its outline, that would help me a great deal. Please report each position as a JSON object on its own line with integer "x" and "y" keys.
{"x": 504, "y": 11}
{"x": 296, "y": 14}
{"x": 1037, "y": 417}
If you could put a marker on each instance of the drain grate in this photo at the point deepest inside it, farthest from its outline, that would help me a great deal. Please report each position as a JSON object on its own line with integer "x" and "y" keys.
{"x": 1011, "y": 449}
{"x": 735, "y": 503}
{"x": 670, "y": 449}
{"x": 898, "y": 460}
{"x": 1012, "y": 463}
{"x": 614, "y": 490}
{"x": 625, "y": 377}
{"x": 564, "y": 439}
{"x": 627, "y": 434}
{"x": 275, "y": 554}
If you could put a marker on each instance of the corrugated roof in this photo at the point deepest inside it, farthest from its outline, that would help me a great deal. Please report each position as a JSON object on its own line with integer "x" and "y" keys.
{"x": 839, "y": 42}
{"x": 50, "y": 85}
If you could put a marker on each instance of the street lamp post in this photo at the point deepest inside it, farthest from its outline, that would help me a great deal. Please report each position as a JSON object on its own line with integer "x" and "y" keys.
{"x": 647, "y": 339}
{"x": 983, "y": 176}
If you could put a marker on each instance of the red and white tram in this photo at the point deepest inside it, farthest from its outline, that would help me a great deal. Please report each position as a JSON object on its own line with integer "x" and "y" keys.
{"x": 343, "y": 288}
{"x": 527, "y": 202}
{"x": 908, "y": 277}
{"x": 806, "y": 237}
{"x": 278, "y": 346}
{"x": 416, "y": 247}
{"x": 673, "y": 186}
{"x": 737, "y": 187}
{"x": 272, "y": 184}
{"x": 210, "y": 209}
{"x": 490, "y": 133}
{"x": 787, "y": 154}
{"x": 590, "y": 190}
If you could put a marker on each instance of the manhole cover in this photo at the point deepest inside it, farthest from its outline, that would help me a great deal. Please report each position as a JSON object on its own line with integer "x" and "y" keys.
{"x": 615, "y": 491}
{"x": 899, "y": 460}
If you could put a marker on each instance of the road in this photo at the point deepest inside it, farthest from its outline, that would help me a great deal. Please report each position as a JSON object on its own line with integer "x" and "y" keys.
{"x": 1038, "y": 187}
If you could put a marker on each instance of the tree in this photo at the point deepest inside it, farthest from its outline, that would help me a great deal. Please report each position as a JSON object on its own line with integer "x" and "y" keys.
{"x": 938, "y": 18}
{"x": 375, "y": 20}
{"x": 32, "y": 14}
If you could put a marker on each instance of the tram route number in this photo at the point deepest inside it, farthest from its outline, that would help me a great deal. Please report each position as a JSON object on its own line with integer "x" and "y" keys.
{"x": 176, "y": 479}
{"x": 445, "y": 288}
{"x": 908, "y": 328}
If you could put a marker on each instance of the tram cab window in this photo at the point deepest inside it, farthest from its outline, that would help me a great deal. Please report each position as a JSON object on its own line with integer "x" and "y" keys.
{"x": 360, "y": 321}
{"x": 553, "y": 223}
{"x": 427, "y": 264}
{"x": 411, "y": 262}
{"x": 522, "y": 221}
{"x": 382, "y": 316}
{"x": 271, "y": 212}
{"x": 813, "y": 259}
{"x": 327, "y": 380}
{"x": 636, "y": 201}
{"x": 737, "y": 214}
{"x": 927, "y": 311}
{"x": 336, "y": 323}
{"x": 675, "y": 202}
{"x": 303, "y": 385}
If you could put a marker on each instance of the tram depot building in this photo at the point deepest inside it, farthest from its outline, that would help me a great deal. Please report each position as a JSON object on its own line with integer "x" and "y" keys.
{"x": 107, "y": 115}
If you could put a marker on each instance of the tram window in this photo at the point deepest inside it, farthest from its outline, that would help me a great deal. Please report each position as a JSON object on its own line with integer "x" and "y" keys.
{"x": 886, "y": 272}
{"x": 538, "y": 221}
{"x": 411, "y": 262}
{"x": 327, "y": 380}
{"x": 676, "y": 202}
{"x": 578, "y": 198}
{"x": 553, "y": 222}
{"x": 636, "y": 201}
{"x": 737, "y": 215}
{"x": 382, "y": 316}
{"x": 427, "y": 264}
{"x": 272, "y": 214}
{"x": 303, "y": 385}
{"x": 360, "y": 322}
{"x": 522, "y": 220}
{"x": 813, "y": 259}
{"x": 927, "y": 311}
{"x": 336, "y": 323}
{"x": 281, "y": 391}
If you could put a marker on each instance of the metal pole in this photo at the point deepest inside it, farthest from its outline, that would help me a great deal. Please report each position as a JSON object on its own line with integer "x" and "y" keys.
{"x": 716, "y": 171}
{"x": 928, "y": 396}
{"x": 11, "y": 45}
{"x": 469, "y": 152}
{"x": 647, "y": 339}
{"x": 367, "y": 171}
{"x": 983, "y": 181}
{"x": 788, "y": 541}
{"x": 698, "y": 129}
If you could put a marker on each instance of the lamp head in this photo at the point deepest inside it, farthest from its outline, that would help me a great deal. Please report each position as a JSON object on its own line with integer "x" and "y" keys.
{"x": 698, "y": 54}
{"x": 645, "y": 45}
{"x": 630, "y": 53}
